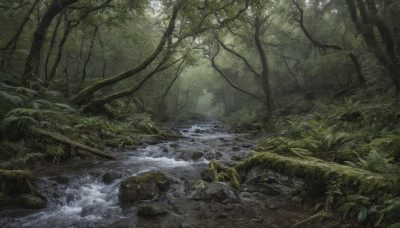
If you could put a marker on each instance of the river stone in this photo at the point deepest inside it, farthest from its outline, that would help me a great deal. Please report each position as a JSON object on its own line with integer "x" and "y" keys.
{"x": 32, "y": 201}
{"x": 210, "y": 156}
{"x": 110, "y": 177}
{"x": 215, "y": 191}
{"x": 143, "y": 187}
{"x": 151, "y": 209}
{"x": 207, "y": 175}
{"x": 197, "y": 155}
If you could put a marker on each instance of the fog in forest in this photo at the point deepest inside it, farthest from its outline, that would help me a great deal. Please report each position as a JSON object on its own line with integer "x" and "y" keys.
{"x": 199, "y": 113}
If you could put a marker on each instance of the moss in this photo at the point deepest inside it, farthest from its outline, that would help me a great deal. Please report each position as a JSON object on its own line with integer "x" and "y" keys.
{"x": 52, "y": 150}
{"x": 323, "y": 173}
{"x": 234, "y": 177}
{"x": 112, "y": 143}
{"x": 15, "y": 182}
{"x": 129, "y": 141}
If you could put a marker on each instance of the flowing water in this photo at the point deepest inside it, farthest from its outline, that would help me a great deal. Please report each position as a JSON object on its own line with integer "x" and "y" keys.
{"x": 78, "y": 197}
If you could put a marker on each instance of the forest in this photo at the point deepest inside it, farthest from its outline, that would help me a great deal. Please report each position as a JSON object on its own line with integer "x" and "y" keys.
{"x": 200, "y": 113}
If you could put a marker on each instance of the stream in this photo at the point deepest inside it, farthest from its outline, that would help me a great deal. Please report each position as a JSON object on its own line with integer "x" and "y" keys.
{"x": 79, "y": 195}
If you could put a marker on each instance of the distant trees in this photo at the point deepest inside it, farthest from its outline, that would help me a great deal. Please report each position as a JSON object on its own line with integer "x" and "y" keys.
{"x": 378, "y": 36}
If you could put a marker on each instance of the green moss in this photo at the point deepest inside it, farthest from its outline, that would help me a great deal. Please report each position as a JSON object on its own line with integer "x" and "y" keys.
{"x": 129, "y": 141}
{"x": 321, "y": 172}
{"x": 15, "y": 181}
{"x": 112, "y": 143}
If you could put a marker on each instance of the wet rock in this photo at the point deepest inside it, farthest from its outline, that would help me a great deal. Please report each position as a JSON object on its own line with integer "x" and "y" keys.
{"x": 32, "y": 201}
{"x": 207, "y": 175}
{"x": 165, "y": 150}
{"x": 111, "y": 176}
{"x": 62, "y": 180}
{"x": 209, "y": 156}
{"x": 112, "y": 143}
{"x": 174, "y": 145}
{"x": 151, "y": 209}
{"x": 222, "y": 216}
{"x": 15, "y": 182}
{"x": 218, "y": 154}
{"x": 263, "y": 188}
{"x": 235, "y": 148}
{"x": 197, "y": 155}
{"x": 236, "y": 157}
{"x": 216, "y": 191}
{"x": 247, "y": 145}
{"x": 143, "y": 187}
{"x": 151, "y": 142}
{"x": 197, "y": 131}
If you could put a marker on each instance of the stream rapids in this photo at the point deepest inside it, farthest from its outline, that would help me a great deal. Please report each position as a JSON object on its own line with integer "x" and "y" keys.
{"x": 77, "y": 195}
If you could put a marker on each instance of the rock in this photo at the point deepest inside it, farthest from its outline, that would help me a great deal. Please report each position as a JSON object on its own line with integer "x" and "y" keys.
{"x": 143, "y": 187}
{"x": 218, "y": 154}
{"x": 207, "y": 175}
{"x": 111, "y": 176}
{"x": 151, "y": 142}
{"x": 247, "y": 145}
{"x": 216, "y": 191}
{"x": 151, "y": 209}
{"x": 197, "y": 155}
{"x": 129, "y": 141}
{"x": 32, "y": 201}
{"x": 15, "y": 182}
{"x": 62, "y": 180}
{"x": 222, "y": 216}
{"x": 235, "y": 148}
{"x": 263, "y": 188}
{"x": 197, "y": 131}
{"x": 210, "y": 156}
{"x": 112, "y": 143}
{"x": 236, "y": 158}
{"x": 174, "y": 145}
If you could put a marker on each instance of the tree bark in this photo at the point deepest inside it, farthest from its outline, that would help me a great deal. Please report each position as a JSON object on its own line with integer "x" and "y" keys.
{"x": 53, "y": 38}
{"x": 365, "y": 27}
{"x": 324, "y": 46}
{"x": 90, "y": 52}
{"x": 12, "y": 44}
{"x": 178, "y": 72}
{"x": 33, "y": 60}
{"x": 265, "y": 72}
{"x": 78, "y": 98}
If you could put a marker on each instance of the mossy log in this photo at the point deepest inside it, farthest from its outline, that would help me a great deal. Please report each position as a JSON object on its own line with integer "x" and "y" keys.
{"x": 315, "y": 170}
{"x": 69, "y": 141}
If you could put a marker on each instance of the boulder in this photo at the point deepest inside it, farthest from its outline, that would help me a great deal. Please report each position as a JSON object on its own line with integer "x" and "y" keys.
{"x": 111, "y": 176}
{"x": 207, "y": 175}
{"x": 215, "y": 192}
{"x": 151, "y": 209}
{"x": 143, "y": 187}
{"x": 197, "y": 155}
{"x": 32, "y": 201}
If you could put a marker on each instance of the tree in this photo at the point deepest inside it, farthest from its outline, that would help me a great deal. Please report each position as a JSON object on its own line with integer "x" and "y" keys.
{"x": 365, "y": 17}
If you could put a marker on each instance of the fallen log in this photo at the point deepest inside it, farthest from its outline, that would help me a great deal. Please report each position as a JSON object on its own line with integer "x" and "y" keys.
{"x": 66, "y": 140}
{"x": 319, "y": 171}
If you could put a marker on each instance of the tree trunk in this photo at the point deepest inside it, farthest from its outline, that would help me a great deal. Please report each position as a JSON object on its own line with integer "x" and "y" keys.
{"x": 53, "y": 38}
{"x": 78, "y": 98}
{"x": 60, "y": 48}
{"x": 12, "y": 44}
{"x": 90, "y": 52}
{"x": 365, "y": 27}
{"x": 178, "y": 72}
{"x": 265, "y": 72}
{"x": 33, "y": 60}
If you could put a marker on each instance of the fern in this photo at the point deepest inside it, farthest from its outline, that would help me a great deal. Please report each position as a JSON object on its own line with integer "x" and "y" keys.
{"x": 16, "y": 100}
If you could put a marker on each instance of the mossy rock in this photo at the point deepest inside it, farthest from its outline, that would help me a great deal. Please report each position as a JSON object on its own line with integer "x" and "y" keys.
{"x": 112, "y": 143}
{"x": 151, "y": 209}
{"x": 13, "y": 182}
{"x": 129, "y": 141}
{"x": 143, "y": 187}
